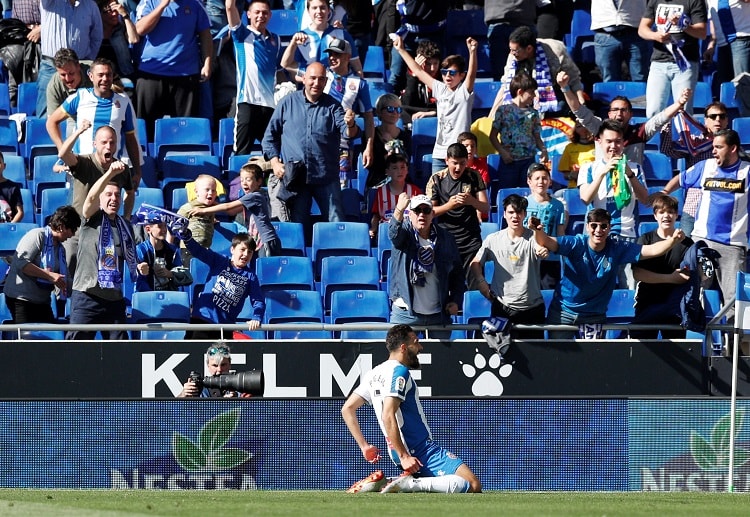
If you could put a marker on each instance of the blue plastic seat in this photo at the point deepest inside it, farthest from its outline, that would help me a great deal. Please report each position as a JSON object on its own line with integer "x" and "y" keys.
{"x": 224, "y": 232}
{"x": 359, "y": 306}
{"x": 44, "y": 177}
{"x": 302, "y": 334}
{"x": 621, "y": 309}
{"x": 605, "y": 92}
{"x": 5, "y": 315}
{"x": 224, "y": 146}
{"x": 181, "y": 134}
{"x": 580, "y": 34}
{"x": 236, "y": 161}
{"x": 742, "y": 126}
{"x": 384, "y": 250}
{"x": 162, "y": 335}
{"x": 160, "y": 306}
{"x": 727, "y": 95}
{"x": 484, "y": 96}
{"x": 424, "y": 131}
{"x": 199, "y": 270}
{"x": 500, "y": 197}
{"x": 292, "y": 238}
{"x": 52, "y": 199}
{"x": 284, "y": 22}
{"x": 577, "y": 209}
{"x": 15, "y": 168}
{"x": 149, "y": 196}
{"x": 179, "y": 198}
{"x": 293, "y": 307}
{"x": 342, "y": 238}
{"x": 477, "y": 308}
{"x": 37, "y": 142}
{"x": 658, "y": 168}
{"x": 29, "y": 210}
{"x": 489, "y": 228}
{"x": 142, "y": 134}
{"x": 8, "y": 135}
{"x": 377, "y": 89}
{"x": 374, "y": 64}
{"x": 11, "y": 233}
{"x": 26, "y": 96}
{"x": 343, "y": 273}
{"x": 364, "y": 335}
{"x": 290, "y": 273}
{"x": 5, "y": 108}
{"x": 188, "y": 166}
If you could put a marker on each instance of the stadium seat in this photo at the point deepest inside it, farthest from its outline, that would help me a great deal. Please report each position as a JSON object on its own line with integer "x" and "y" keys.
{"x": 181, "y": 134}
{"x": 500, "y": 197}
{"x": 44, "y": 177}
{"x": 742, "y": 126}
{"x": 27, "y": 95}
{"x": 647, "y": 226}
{"x": 15, "y": 168}
{"x": 290, "y": 273}
{"x": 364, "y": 335}
{"x": 302, "y": 334}
{"x": 580, "y": 35}
{"x": 657, "y": 168}
{"x": 224, "y": 147}
{"x": 292, "y": 238}
{"x": 29, "y": 211}
{"x": 358, "y": 306}
{"x": 702, "y": 96}
{"x": 727, "y": 95}
{"x": 5, "y": 108}
{"x": 9, "y": 135}
{"x": 188, "y": 167}
{"x": 160, "y": 306}
{"x": 149, "y": 175}
{"x": 52, "y": 199}
{"x": 199, "y": 270}
{"x": 484, "y": 96}
{"x": 489, "y": 228}
{"x": 342, "y": 238}
{"x": 5, "y": 315}
{"x": 224, "y": 232}
{"x": 605, "y": 92}
{"x": 577, "y": 209}
{"x": 142, "y": 134}
{"x": 374, "y": 65}
{"x": 293, "y": 307}
{"x": 384, "y": 250}
{"x": 343, "y": 273}
{"x": 351, "y": 203}
{"x": 423, "y": 135}
{"x": 179, "y": 198}
{"x": 149, "y": 196}
{"x": 162, "y": 335}
{"x": 377, "y": 89}
{"x": 10, "y": 234}
{"x": 284, "y": 22}
{"x": 620, "y": 310}
{"x": 236, "y": 161}
{"x": 477, "y": 308}
{"x": 37, "y": 142}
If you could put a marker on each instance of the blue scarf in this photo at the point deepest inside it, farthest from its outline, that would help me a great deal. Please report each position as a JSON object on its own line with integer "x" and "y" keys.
{"x": 425, "y": 259}
{"x": 109, "y": 274}
{"x": 48, "y": 257}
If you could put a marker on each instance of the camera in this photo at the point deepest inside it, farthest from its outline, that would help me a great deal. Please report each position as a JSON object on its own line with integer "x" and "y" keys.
{"x": 252, "y": 382}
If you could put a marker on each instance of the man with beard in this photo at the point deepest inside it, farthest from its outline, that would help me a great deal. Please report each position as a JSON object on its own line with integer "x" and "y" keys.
{"x": 394, "y": 396}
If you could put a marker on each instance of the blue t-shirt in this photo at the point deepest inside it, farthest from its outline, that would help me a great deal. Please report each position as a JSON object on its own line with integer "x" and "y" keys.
{"x": 588, "y": 276}
{"x": 550, "y": 213}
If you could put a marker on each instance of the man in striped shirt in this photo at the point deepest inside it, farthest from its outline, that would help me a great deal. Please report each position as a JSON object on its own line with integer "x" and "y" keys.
{"x": 258, "y": 53}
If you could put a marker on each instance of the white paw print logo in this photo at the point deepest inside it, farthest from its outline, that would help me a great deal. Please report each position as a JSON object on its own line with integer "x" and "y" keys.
{"x": 487, "y": 383}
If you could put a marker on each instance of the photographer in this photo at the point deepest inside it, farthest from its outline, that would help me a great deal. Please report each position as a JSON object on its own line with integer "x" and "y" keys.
{"x": 218, "y": 362}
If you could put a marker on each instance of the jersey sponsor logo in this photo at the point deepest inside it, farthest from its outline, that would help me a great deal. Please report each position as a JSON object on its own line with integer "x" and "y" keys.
{"x": 736, "y": 186}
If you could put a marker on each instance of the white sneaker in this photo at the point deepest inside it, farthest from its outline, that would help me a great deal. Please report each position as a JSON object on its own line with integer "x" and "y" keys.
{"x": 372, "y": 483}
{"x": 398, "y": 484}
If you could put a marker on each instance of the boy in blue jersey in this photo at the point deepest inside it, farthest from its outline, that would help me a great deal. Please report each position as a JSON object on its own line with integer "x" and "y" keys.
{"x": 394, "y": 396}
{"x": 590, "y": 265}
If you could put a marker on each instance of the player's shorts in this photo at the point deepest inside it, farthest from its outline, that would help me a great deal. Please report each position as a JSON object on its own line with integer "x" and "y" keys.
{"x": 436, "y": 461}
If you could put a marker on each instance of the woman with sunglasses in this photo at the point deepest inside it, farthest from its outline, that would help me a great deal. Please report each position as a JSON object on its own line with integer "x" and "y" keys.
{"x": 389, "y": 138}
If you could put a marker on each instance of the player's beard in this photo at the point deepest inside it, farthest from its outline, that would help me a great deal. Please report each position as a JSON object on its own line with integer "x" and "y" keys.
{"x": 413, "y": 360}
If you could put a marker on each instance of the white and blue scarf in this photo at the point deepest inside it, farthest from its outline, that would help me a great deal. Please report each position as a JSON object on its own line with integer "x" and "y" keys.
{"x": 425, "y": 259}
{"x": 546, "y": 100}
{"x": 109, "y": 274}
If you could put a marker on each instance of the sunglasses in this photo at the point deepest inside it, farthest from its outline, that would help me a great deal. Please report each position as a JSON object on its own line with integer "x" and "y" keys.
{"x": 596, "y": 226}
{"x": 392, "y": 109}
{"x": 448, "y": 71}
{"x": 422, "y": 209}
{"x": 222, "y": 350}
{"x": 715, "y": 116}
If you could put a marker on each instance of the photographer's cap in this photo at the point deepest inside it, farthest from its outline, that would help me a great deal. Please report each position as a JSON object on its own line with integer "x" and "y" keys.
{"x": 421, "y": 199}
{"x": 339, "y": 46}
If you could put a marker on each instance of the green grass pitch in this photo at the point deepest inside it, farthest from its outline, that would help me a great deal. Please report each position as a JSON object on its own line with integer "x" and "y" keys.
{"x": 86, "y": 503}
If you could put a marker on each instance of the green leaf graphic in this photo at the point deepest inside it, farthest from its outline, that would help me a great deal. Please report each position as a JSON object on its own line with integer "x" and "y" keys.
{"x": 741, "y": 456}
{"x": 217, "y": 431}
{"x": 187, "y": 454}
{"x": 702, "y": 451}
{"x": 225, "y": 459}
{"x": 720, "y": 434}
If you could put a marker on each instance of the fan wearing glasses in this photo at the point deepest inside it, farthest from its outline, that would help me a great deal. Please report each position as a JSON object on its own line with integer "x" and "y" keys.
{"x": 621, "y": 109}
{"x": 701, "y": 148}
{"x": 590, "y": 263}
{"x": 426, "y": 281}
{"x": 454, "y": 96}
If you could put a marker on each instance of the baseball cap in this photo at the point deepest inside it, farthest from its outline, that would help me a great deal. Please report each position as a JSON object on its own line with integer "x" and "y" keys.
{"x": 419, "y": 200}
{"x": 340, "y": 46}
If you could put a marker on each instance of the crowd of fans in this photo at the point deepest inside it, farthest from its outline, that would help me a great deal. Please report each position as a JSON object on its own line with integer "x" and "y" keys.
{"x": 160, "y": 58}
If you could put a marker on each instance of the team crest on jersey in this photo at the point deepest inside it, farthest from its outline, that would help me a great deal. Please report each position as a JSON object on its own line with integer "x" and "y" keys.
{"x": 352, "y": 86}
{"x": 117, "y": 104}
